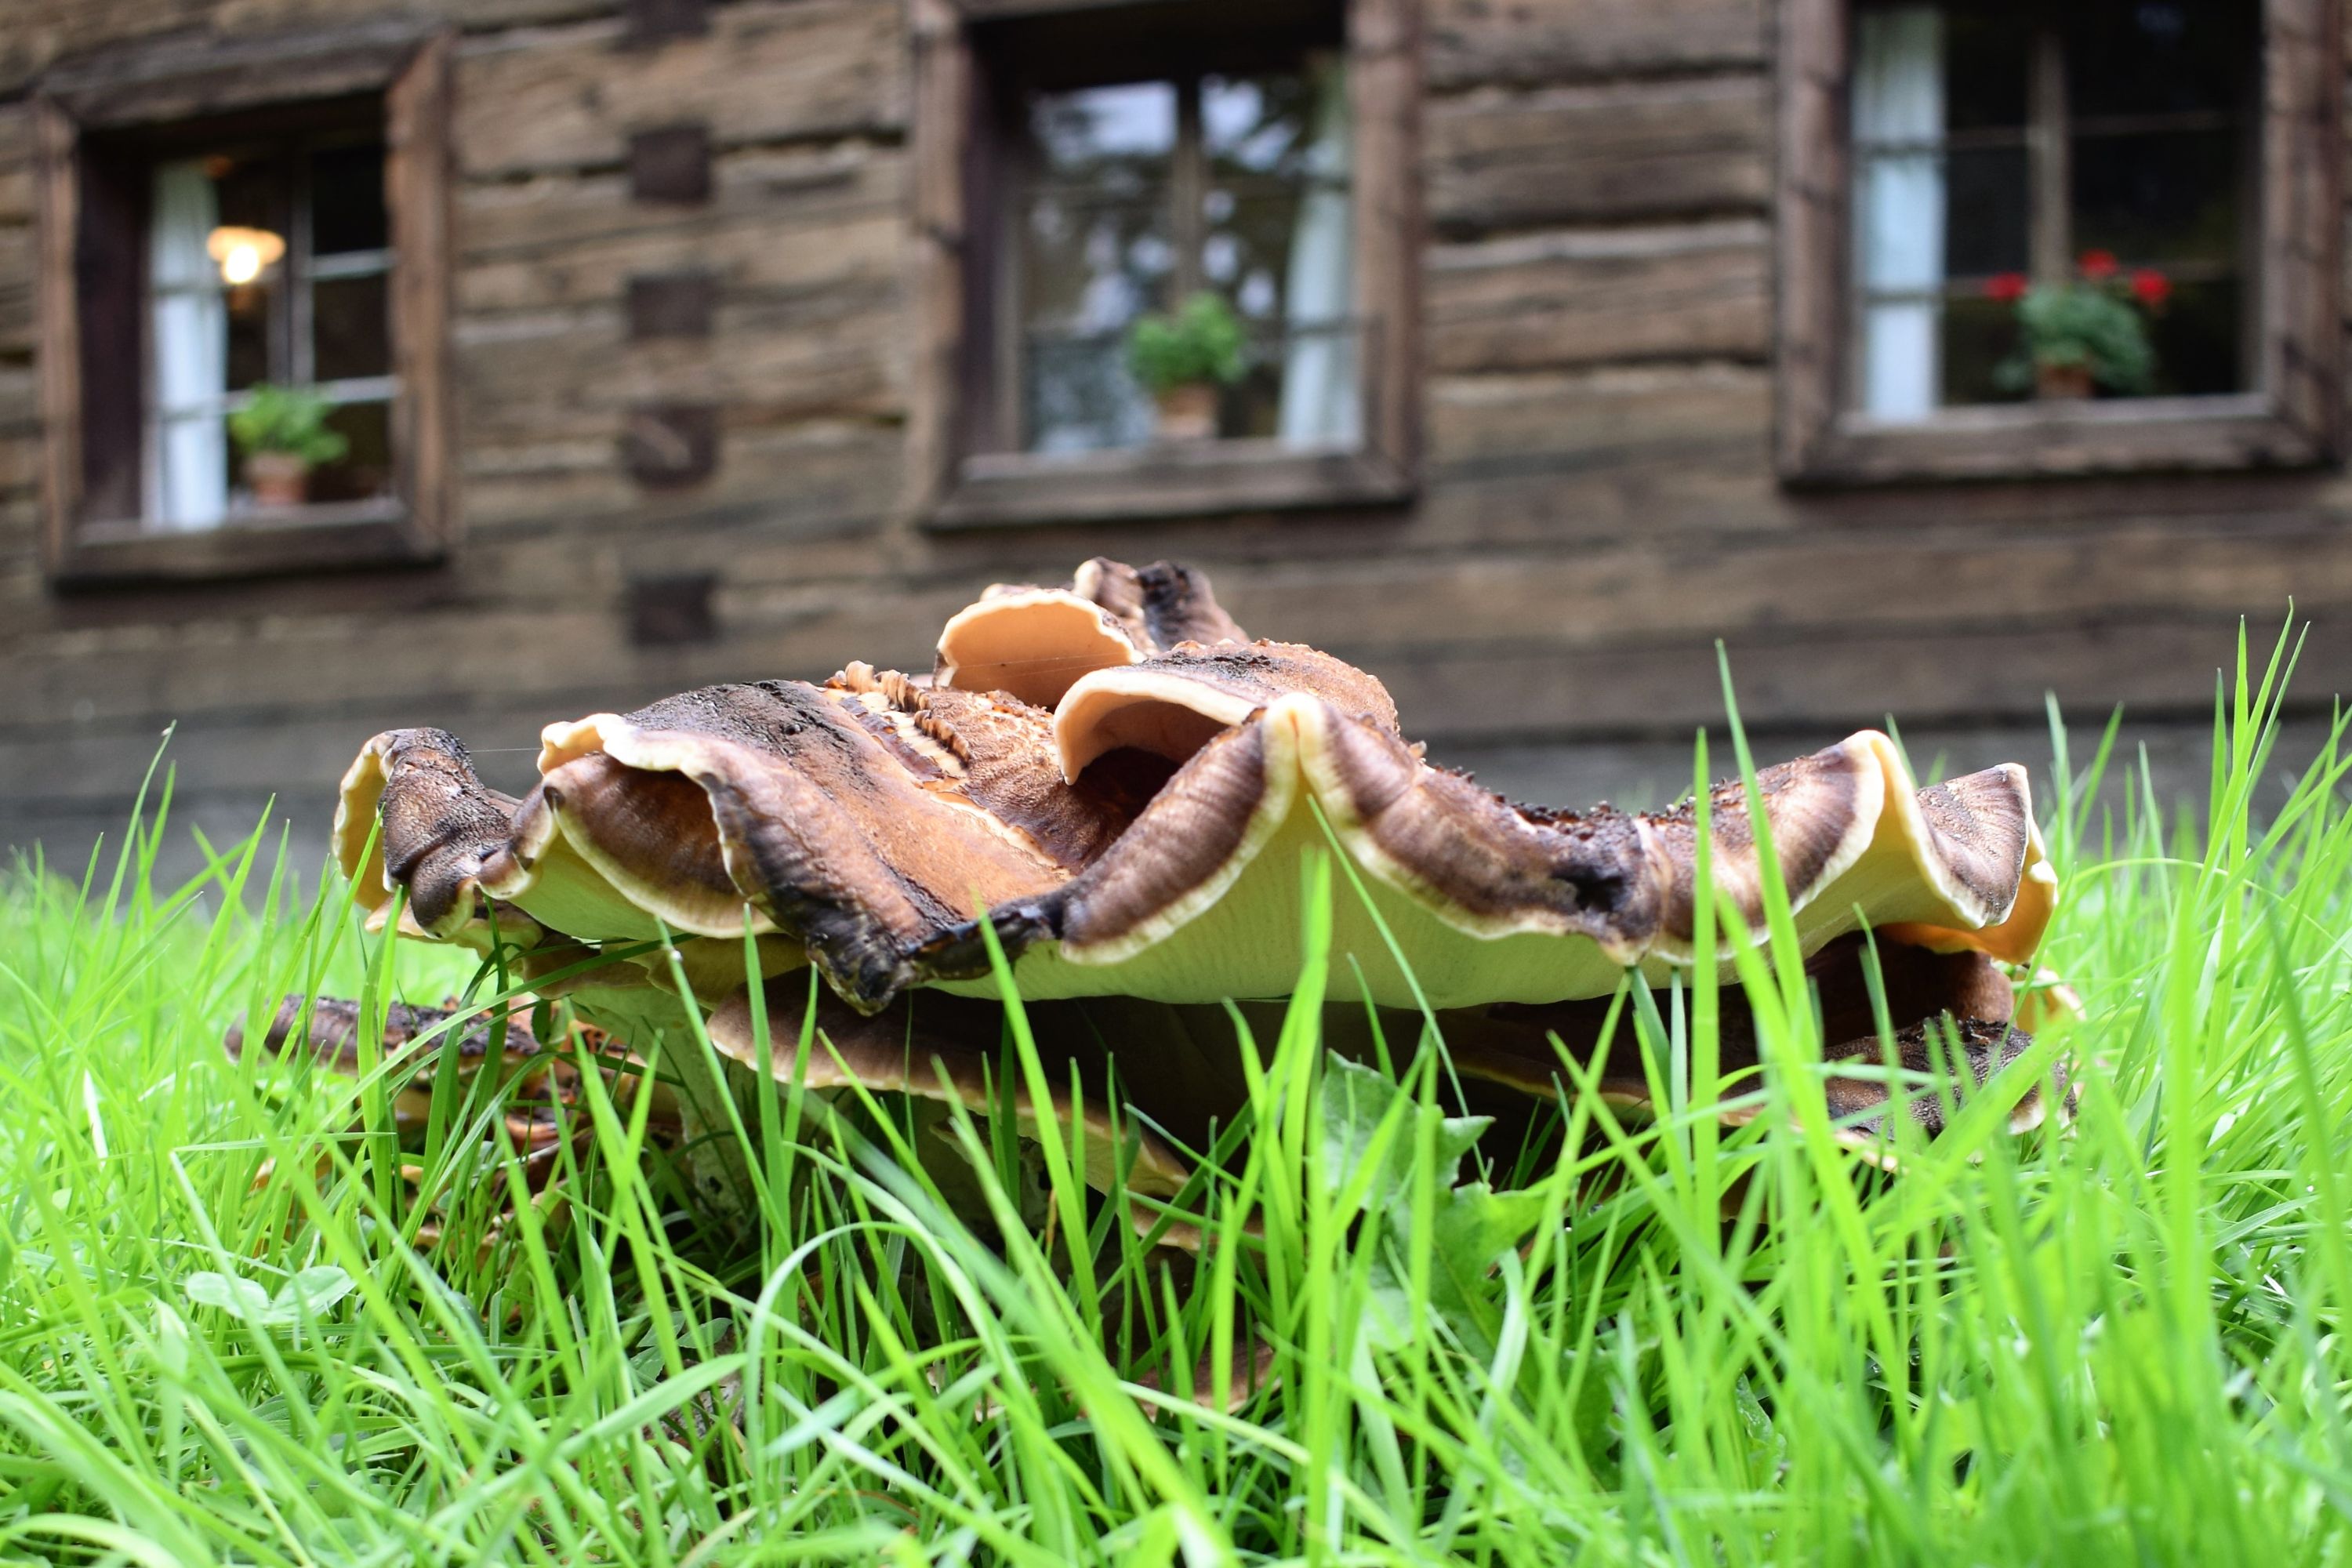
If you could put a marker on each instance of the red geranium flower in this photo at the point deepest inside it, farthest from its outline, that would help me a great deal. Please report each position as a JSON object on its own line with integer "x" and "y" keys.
{"x": 2096, "y": 265}
{"x": 2008, "y": 288}
{"x": 2150, "y": 288}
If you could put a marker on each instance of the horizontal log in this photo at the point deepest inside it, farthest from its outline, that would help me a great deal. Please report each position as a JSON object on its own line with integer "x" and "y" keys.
{"x": 1530, "y": 42}
{"x": 558, "y": 241}
{"x": 550, "y": 217}
{"x": 2161, "y": 670}
{"x": 1810, "y": 586}
{"x": 77, "y": 29}
{"x": 794, "y": 484}
{"x": 768, "y": 70}
{"x": 1541, "y": 301}
{"x": 563, "y": 374}
{"x": 1497, "y": 160}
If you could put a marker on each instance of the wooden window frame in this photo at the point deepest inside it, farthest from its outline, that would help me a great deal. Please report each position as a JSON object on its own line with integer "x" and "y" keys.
{"x": 409, "y": 68}
{"x": 954, "y": 483}
{"x": 2291, "y": 418}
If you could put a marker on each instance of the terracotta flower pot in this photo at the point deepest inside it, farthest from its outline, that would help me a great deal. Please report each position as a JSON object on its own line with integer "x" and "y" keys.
{"x": 278, "y": 478}
{"x": 1188, "y": 412}
{"x": 2061, "y": 383}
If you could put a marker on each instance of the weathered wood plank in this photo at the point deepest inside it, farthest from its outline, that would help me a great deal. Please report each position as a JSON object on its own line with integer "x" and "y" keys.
{"x": 1473, "y": 43}
{"x": 1615, "y": 152}
{"x": 1541, "y": 301}
{"x": 16, "y": 284}
{"x": 1817, "y": 586}
{"x": 552, "y": 218}
{"x": 16, "y": 163}
{"x": 560, "y": 374}
{"x": 754, "y": 243}
{"x": 2157, "y": 670}
{"x": 768, "y": 70}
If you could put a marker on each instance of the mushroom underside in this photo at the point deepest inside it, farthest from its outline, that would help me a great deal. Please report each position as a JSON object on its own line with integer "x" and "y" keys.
{"x": 1144, "y": 1088}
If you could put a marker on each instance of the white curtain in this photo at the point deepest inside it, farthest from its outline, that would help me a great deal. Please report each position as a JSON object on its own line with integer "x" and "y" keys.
{"x": 1898, "y": 97}
{"x": 188, "y": 460}
{"x": 1318, "y": 370}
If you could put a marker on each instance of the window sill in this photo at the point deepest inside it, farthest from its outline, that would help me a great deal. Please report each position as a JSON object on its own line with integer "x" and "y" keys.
{"x": 1206, "y": 478}
{"x": 312, "y": 538}
{"x": 2041, "y": 440}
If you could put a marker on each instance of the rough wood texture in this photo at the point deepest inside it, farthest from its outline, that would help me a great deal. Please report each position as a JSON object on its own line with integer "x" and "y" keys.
{"x": 1532, "y": 42}
{"x": 1599, "y": 417}
{"x": 59, "y": 206}
{"x": 419, "y": 162}
{"x": 1534, "y": 301}
{"x": 670, "y": 163}
{"x": 768, "y": 70}
{"x": 671, "y": 443}
{"x": 647, "y": 23}
{"x": 1614, "y": 153}
{"x": 671, "y": 305}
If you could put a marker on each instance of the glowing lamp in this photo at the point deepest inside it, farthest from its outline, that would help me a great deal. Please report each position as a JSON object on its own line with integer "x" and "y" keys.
{"x": 243, "y": 253}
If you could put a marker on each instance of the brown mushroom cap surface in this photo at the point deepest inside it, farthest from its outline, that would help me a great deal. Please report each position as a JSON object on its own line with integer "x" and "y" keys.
{"x": 1033, "y": 643}
{"x": 1147, "y": 838}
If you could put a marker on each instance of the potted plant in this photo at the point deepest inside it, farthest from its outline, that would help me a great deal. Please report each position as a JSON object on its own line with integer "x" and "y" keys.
{"x": 283, "y": 431}
{"x": 1182, "y": 357}
{"x": 2087, "y": 333}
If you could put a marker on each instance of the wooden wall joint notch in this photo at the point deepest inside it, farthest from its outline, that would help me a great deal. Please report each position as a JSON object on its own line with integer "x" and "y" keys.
{"x": 670, "y": 163}
{"x": 648, "y": 24}
{"x": 672, "y": 304}
{"x": 671, "y": 443}
{"x": 673, "y": 611}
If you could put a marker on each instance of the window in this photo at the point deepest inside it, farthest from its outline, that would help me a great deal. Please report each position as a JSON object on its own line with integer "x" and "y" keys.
{"x": 210, "y": 248}
{"x": 2021, "y": 238}
{"x": 1088, "y": 170}
{"x": 1140, "y": 195}
{"x": 224, "y": 321}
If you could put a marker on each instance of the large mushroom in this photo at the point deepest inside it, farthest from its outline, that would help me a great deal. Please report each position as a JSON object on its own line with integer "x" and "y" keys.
{"x": 1123, "y": 786}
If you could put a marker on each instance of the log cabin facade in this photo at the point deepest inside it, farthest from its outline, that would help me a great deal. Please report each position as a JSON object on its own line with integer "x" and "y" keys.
{"x": 670, "y": 342}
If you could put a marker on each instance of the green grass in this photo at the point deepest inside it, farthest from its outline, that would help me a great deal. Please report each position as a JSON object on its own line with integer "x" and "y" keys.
{"x": 2121, "y": 1345}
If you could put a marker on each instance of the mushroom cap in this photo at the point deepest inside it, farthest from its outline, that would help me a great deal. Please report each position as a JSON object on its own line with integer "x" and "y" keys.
{"x": 1033, "y": 643}
{"x": 1488, "y": 902}
{"x": 1145, "y": 837}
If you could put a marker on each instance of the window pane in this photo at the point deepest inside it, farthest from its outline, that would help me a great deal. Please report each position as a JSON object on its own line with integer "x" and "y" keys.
{"x": 347, "y": 200}
{"x": 363, "y": 472}
{"x": 1986, "y": 201}
{"x": 2162, "y": 198}
{"x": 250, "y": 311}
{"x": 1977, "y": 334}
{"x": 2159, "y": 57}
{"x": 2200, "y": 340}
{"x": 1984, "y": 70}
{"x": 1117, "y": 140}
{"x": 1097, "y": 252}
{"x": 1257, "y": 126}
{"x": 349, "y": 327}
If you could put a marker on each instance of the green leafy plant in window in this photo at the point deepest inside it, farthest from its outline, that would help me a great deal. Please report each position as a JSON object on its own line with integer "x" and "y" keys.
{"x": 1182, "y": 357}
{"x": 283, "y": 433}
{"x": 2090, "y": 331}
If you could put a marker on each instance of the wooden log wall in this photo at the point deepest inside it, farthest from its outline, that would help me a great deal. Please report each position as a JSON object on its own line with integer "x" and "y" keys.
{"x": 684, "y": 342}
